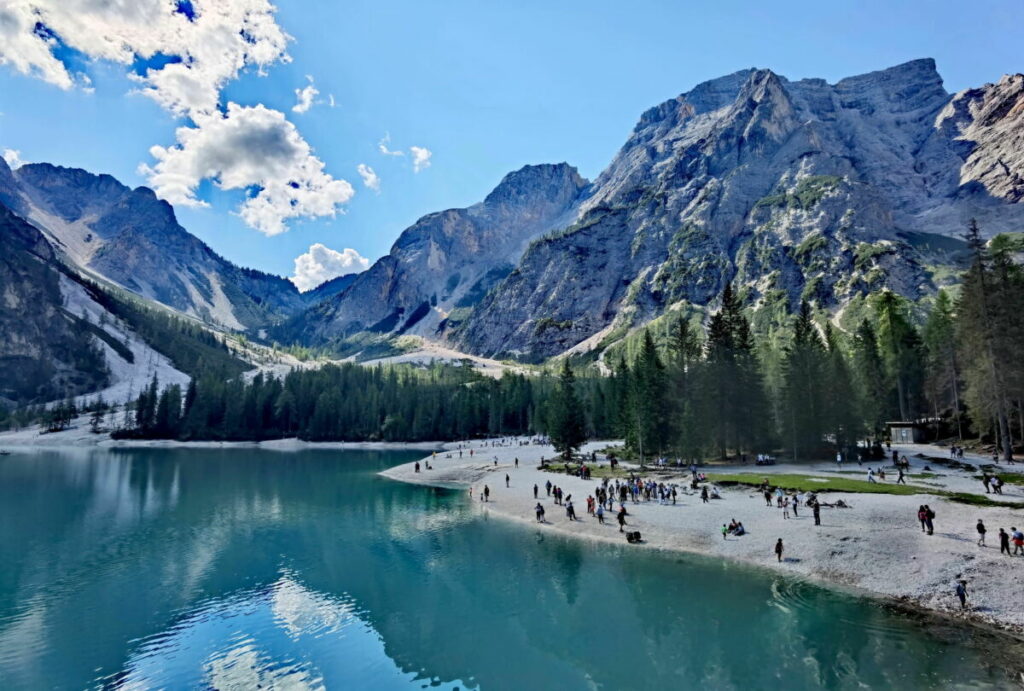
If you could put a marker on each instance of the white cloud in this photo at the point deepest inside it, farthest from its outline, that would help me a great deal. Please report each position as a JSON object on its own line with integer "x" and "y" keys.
{"x": 420, "y": 158}
{"x": 370, "y": 178}
{"x": 383, "y": 145}
{"x": 254, "y": 149}
{"x": 306, "y": 97}
{"x": 321, "y": 264}
{"x": 13, "y": 158}
{"x": 212, "y": 42}
{"x": 330, "y": 100}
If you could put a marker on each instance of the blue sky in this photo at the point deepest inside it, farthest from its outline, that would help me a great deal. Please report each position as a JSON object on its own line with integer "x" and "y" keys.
{"x": 487, "y": 88}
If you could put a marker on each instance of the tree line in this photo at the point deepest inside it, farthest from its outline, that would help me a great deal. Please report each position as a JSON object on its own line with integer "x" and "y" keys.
{"x": 697, "y": 391}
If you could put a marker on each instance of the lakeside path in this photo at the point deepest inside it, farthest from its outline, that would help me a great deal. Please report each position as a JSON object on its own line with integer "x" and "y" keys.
{"x": 876, "y": 546}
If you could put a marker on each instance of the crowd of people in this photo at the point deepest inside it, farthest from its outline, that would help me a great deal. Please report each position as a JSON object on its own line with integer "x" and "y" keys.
{"x": 611, "y": 496}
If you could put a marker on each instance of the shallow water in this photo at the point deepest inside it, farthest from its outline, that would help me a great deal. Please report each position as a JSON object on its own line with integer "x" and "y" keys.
{"x": 238, "y": 568}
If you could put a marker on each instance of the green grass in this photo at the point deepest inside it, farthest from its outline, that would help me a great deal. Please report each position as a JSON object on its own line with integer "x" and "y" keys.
{"x": 817, "y": 484}
{"x": 809, "y": 483}
{"x": 596, "y": 471}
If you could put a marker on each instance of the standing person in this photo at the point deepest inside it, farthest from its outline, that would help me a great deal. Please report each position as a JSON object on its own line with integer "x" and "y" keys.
{"x": 621, "y": 517}
{"x": 785, "y": 507}
{"x": 984, "y": 481}
{"x": 547, "y": 486}
{"x": 871, "y": 476}
{"x": 929, "y": 517}
{"x": 816, "y": 510}
{"x": 506, "y": 480}
{"x": 981, "y": 533}
{"x": 725, "y": 532}
{"x": 922, "y": 516}
{"x": 570, "y": 512}
{"x": 535, "y": 490}
{"x": 778, "y": 550}
{"x": 839, "y": 460}
{"x": 1004, "y": 542}
{"x": 540, "y": 512}
{"x": 517, "y": 461}
{"x": 1018, "y": 541}
{"x": 600, "y": 514}
{"x": 796, "y": 502}
{"x": 487, "y": 493}
{"x": 768, "y": 498}
{"x": 961, "y": 592}
{"x": 704, "y": 494}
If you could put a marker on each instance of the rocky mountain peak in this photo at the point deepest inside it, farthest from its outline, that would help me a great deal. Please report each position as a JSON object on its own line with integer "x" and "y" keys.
{"x": 552, "y": 182}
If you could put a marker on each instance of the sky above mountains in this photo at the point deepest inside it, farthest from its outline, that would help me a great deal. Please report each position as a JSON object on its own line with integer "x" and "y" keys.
{"x": 302, "y": 137}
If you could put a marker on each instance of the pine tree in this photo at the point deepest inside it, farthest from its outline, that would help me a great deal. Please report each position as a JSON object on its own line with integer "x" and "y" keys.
{"x": 804, "y": 369}
{"x": 901, "y": 350}
{"x": 566, "y": 425}
{"x": 942, "y": 382}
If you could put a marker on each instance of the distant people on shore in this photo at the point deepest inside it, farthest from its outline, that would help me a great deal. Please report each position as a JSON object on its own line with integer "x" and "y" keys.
{"x": 778, "y": 550}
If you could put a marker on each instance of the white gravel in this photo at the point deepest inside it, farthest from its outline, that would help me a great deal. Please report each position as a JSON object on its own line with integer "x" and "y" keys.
{"x": 876, "y": 546}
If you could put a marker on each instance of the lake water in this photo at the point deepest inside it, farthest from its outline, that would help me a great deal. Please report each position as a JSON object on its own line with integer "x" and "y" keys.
{"x": 236, "y": 568}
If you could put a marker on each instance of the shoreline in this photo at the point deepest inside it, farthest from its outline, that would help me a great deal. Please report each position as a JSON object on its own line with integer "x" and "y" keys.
{"x": 79, "y": 436}
{"x": 891, "y": 561}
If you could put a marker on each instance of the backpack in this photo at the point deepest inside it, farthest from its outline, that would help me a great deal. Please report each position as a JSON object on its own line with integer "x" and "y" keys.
{"x": 633, "y": 536}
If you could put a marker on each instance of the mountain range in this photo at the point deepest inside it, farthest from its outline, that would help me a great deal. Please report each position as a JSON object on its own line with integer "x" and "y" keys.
{"x": 788, "y": 190}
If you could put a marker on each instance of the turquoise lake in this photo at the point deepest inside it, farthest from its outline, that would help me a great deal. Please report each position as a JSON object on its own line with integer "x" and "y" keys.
{"x": 182, "y": 569}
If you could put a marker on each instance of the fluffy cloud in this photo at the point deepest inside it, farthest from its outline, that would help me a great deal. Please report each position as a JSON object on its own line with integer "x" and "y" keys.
{"x": 306, "y": 96}
{"x": 254, "y": 149}
{"x": 321, "y": 264}
{"x": 13, "y": 158}
{"x": 200, "y": 45}
{"x": 384, "y": 144}
{"x": 370, "y": 178}
{"x": 420, "y": 158}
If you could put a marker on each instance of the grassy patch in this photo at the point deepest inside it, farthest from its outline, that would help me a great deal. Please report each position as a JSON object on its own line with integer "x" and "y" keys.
{"x": 817, "y": 484}
{"x": 842, "y": 484}
{"x": 596, "y": 471}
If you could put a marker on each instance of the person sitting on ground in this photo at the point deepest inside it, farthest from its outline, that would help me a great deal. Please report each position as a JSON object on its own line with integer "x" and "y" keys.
{"x": 740, "y": 530}
{"x": 715, "y": 494}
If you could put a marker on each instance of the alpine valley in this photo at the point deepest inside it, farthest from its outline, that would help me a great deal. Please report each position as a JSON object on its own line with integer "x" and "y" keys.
{"x": 787, "y": 190}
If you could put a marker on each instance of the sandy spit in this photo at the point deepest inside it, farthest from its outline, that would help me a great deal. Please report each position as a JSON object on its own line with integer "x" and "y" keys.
{"x": 876, "y": 547}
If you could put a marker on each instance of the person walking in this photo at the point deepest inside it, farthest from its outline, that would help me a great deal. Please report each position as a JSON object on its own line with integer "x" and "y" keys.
{"x": 961, "y": 593}
{"x": 704, "y": 494}
{"x": 1004, "y": 542}
{"x": 725, "y": 532}
{"x": 785, "y": 507}
{"x": 540, "y": 512}
{"x": 547, "y": 486}
{"x": 621, "y": 518}
{"x": 570, "y": 512}
{"x": 768, "y": 498}
{"x": 816, "y": 510}
{"x": 600, "y": 514}
{"x": 981, "y": 533}
{"x": 517, "y": 461}
{"x": 901, "y": 480}
{"x": 778, "y": 550}
{"x": 1018, "y": 541}
{"x": 922, "y": 516}
{"x": 929, "y": 517}
{"x": 796, "y": 502}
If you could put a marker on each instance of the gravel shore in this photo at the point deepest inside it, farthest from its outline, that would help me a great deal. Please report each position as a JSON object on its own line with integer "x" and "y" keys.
{"x": 875, "y": 546}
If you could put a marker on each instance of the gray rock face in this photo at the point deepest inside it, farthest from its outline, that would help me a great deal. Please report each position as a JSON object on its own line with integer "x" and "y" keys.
{"x": 45, "y": 351}
{"x": 132, "y": 238}
{"x": 447, "y": 261}
{"x": 789, "y": 189}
